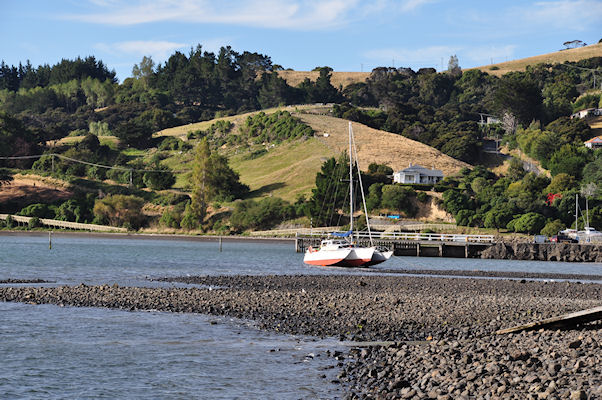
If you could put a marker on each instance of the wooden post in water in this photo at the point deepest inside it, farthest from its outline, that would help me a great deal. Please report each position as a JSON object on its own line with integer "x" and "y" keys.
{"x": 220, "y": 244}
{"x": 50, "y": 240}
{"x": 296, "y": 242}
{"x": 417, "y": 249}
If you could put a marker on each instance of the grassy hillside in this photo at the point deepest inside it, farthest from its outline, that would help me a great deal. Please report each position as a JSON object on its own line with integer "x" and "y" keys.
{"x": 288, "y": 170}
{"x": 343, "y": 79}
{"x": 182, "y": 130}
{"x": 378, "y": 146}
{"x": 594, "y": 50}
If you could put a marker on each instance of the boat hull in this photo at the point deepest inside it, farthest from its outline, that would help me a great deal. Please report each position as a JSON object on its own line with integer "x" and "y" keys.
{"x": 359, "y": 256}
{"x": 326, "y": 258}
{"x": 347, "y": 257}
{"x": 379, "y": 257}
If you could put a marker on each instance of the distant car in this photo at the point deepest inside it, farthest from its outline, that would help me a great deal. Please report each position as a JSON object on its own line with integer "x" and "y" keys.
{"x": 563, "y": 239}
{"x": 540, "y": 239}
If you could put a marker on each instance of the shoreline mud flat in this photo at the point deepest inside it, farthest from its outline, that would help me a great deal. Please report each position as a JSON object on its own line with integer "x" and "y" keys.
{"x": 452, "y": 350}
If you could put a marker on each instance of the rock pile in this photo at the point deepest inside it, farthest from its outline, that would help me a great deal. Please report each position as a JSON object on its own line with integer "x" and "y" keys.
{"x": 529, "y": 365}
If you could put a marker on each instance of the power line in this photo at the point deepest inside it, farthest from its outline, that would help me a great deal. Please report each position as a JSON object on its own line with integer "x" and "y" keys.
{"x": 89, "y": 163}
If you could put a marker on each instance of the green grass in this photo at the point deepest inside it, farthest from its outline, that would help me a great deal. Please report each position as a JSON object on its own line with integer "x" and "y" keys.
{"x": 132, "y": 152}
{"x": 285, "y": 171}
{"x": 180, "y": 162}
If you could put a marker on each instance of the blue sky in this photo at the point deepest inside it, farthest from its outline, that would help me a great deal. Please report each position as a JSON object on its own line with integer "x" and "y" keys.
{"x": 347, "y": 35}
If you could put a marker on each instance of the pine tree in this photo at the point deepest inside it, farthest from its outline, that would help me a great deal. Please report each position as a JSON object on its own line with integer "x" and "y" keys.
{"x": 453, "y": 67}
{"x": 200, "y": 180}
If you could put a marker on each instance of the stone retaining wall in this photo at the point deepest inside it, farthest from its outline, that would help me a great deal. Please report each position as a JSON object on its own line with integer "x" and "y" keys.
{"x": 569, "y": 252}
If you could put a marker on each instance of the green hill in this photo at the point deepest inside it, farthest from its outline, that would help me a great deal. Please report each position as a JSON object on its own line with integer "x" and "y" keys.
{"x": 289, "y": 169}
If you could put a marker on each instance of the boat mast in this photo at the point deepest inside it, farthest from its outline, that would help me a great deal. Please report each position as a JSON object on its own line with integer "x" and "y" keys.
{"x": 350, "y": 183}
{"x": 586, "y": 215}
{"x": 359, "y": 176}
{"x": 576, "y": 212}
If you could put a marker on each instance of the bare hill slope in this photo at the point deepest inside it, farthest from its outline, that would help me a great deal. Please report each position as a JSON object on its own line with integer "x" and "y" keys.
{"x": 379, "y": 146}
{"x": 343, "y": 79}
{"x": 337, "y": 79}
{"x": 580, "y": 53}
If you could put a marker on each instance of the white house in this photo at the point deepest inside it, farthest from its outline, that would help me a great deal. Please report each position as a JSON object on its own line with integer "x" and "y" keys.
{"x": 418, "y": 174}
{"x": 588, "y": 112}
{"x": 594, "y": 143}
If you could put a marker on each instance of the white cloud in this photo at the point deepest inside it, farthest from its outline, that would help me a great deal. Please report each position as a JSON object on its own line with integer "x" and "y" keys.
{"x": 541, "y": 18}
{"x": 159, "y": 50}
{"x": 291, "y": 14}
{"x": 569, "y": 14}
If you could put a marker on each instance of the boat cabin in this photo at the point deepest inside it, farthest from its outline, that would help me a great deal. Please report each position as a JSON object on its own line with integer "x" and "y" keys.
{"x": 334, "y": 244}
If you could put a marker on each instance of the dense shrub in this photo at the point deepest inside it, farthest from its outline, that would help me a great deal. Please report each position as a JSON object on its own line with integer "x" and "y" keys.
{"x": 34, "y": 222}
{"x": 120, "y": 210}
{"x": 422, "y": 197}
{"x": 37, "y": 210}
{"x": 160, "y": 178}
{"x": 553, "y": 227}
{"x": 170, "y": 219}
{"x": 262, "y": 214}
{"x": 276, "y": 127}
{"x": 398, "y": 198}
{"x": 173, "y": 143}
{"x": 531, "y": 223}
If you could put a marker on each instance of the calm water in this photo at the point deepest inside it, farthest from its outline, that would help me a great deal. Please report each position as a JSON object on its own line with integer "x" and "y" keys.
{"x": 53, "y": 352}
{"x": 74, "y": 260}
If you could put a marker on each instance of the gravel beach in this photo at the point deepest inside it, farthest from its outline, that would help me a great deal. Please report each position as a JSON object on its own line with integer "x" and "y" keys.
{"x": 453, "y": 350}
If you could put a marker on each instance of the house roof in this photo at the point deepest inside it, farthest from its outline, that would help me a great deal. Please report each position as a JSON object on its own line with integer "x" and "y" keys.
{"x": 597, "y": 139}
{"x": 421, "y": 170}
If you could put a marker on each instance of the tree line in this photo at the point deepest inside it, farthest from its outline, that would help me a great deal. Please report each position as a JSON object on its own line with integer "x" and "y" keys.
{"x": 82, "y": 97}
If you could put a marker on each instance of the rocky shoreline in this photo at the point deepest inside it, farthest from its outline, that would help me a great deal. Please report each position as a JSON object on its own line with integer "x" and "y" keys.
{"x": 490, "y": 274}
{"x": 15, "y": 281}
{"x": 458, "y": 354}
{"x": 566, "y": 252}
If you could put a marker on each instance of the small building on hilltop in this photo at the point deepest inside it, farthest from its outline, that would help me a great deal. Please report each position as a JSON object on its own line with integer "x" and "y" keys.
{"x": 594, "y": 143}
{"x": 418, "y": 174}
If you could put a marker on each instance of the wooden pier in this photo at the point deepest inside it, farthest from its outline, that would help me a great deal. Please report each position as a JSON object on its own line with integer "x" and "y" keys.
{"x": 562, "y": 321}
{"x": 418, "y": 245}
{"x": 53, "y": 223}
